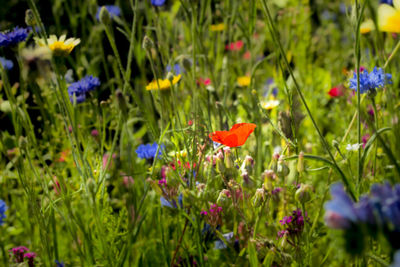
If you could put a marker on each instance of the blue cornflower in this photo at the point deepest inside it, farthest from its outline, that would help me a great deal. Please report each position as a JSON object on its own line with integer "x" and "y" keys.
{"x": 3, "y": 208}
{"x": 59, "y": 263}
{"x": 369, "y": 82}
{"x": 149, "y": 151}
{"x": 7, "y": 64}
{"x": 340, "y": 211}
{"x": 158, "y": 2}
{"x": 13, "y": 37}
{"x": 177, "y": 69}
{"x": 114, "y": 11}
{"x": 81, "y": 87}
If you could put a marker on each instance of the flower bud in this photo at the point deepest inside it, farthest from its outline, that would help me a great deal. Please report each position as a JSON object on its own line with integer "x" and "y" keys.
{"x": 147, "y": 43}
{"x": 219, "y": 162}
{"x": 282, "y": 168}
{"x": 104, "y": 16}
{"x": 121, "y": 102}
{"x": 248, "y": 164}
{"x": 303, "y": 194}
{"x": 228, "y": 157}
{"x": 300, "y": 162}
{"x": 258, "y": 198}
{"x": 223, "y": 197}
{"x": 30, "y": 18}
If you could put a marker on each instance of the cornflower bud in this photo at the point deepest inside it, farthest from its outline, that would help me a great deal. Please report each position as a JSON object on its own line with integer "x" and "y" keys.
{"x": 104, "y": 16}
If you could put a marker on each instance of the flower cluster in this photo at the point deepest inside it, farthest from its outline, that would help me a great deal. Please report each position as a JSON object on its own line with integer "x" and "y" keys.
{"x": 380, "y": 210}
{"x": 7, "y": 64}
{"x": 294, "y": 226}
{"x": 213, "y": 216}
{"x": 3, "y": 208}
{"x": 149, "y": 151}
{"x": 114, "y": 11}
{"x": 369, "y": 82}
{"x": 19, "y": 254}
{"x": 13, "y": 37}
{"x": 80, "y": 88}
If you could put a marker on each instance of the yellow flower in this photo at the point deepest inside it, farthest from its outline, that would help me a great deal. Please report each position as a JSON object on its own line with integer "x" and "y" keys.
{"x": 367, "y": 26}
{"x": 164, "y": 84}
{"x": 217, "y": 27}
{"x": 270, "y": 104}
{"x": 243, "y": 81}
{"x": 389, "y": 17}
{"x": 60, "y": 47}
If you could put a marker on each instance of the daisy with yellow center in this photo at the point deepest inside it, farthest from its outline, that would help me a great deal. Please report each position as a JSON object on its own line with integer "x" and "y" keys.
{"x": 217, "y": 27}
{"x": 243, "y": 81}
{"x": 389, "y": 17}
{"x": 59, "y": 46}
{"x": 270, "y": 104}
{"x": 164, "y": 84}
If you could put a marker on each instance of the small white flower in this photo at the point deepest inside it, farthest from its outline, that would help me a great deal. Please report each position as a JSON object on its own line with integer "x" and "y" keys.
{"x": 354, "y": 147}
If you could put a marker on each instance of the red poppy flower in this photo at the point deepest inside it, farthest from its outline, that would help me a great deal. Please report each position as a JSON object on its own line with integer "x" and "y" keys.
{"x": 336, "y": 91}
{"x": 236, "y": 136}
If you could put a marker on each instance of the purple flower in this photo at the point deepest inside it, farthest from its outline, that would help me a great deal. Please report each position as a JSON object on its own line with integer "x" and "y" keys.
{"x": 13, "y": 37}
{"x": 158, "y": 2}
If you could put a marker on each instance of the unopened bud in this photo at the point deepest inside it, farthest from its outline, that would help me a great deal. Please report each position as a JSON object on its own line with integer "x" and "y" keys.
{"x": 303, "y": 194}
{"x": 248, "y": 164}
{"x": 300, "y": 162}
{"x": 121, "y": 102}
{"x": 30, "y": 18}
{"x": 282, "y": 169}
{"x": 104, "y": 16}
{"x": 229, "y": 161}
{"x": 223, "y": 197}
{"x": 147, "y": 43}
{"x": 258, "y": 198}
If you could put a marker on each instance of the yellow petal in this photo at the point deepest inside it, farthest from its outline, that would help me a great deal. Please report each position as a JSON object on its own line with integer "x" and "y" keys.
{"x": 396, "y": 4}
{"x": 389, "y": 18}
{"x": 367, "y": 26}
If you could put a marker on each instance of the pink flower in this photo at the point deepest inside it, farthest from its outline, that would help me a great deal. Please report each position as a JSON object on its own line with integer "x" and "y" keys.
{"x": 235, "y": 46}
